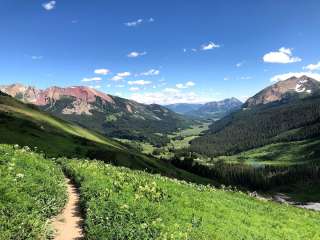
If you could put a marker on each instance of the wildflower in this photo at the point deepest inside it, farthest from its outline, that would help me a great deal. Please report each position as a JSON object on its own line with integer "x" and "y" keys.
{"x": 20, "y": 175}
{"x": 124, "y": 206}
{"x": 144, "y": 225}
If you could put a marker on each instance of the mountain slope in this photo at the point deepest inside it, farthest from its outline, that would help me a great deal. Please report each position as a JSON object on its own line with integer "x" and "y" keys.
{"x": 110, "y": 115}
{"x": 135, "y": 205}
{"x": 26, "y": 125}
{"x": 285, "y": 90}
{"x": 216, "y": 110}
{"x": 290, "y": 118}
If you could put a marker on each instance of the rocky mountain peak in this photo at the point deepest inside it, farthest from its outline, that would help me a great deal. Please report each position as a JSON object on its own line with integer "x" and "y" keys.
{"x": 295, "y": 86}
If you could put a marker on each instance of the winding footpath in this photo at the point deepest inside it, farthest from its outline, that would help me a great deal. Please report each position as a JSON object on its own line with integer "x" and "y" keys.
{"x": 68, "y": 224}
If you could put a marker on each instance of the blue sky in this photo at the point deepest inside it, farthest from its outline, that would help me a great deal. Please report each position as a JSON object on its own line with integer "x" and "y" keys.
{"x": 159, "y": 51}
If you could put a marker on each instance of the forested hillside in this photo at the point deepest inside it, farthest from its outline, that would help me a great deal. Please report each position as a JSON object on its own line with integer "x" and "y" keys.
{"x": 249, "y": 128}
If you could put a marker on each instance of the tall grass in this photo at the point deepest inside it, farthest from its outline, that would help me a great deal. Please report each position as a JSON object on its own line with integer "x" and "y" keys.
{"x": 32, "y": 190}
{"x": 123, "y": 204}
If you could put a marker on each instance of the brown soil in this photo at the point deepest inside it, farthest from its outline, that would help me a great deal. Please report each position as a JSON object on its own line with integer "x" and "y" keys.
{"x": 68, "y": 224}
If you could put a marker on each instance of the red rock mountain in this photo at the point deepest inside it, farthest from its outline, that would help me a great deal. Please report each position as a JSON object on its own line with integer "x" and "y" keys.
{"x": 101, "y": 112}
{"x": 303, "y": 87}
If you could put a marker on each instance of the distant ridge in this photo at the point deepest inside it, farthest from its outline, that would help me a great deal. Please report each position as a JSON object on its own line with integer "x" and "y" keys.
{"x": 110, "y": 115}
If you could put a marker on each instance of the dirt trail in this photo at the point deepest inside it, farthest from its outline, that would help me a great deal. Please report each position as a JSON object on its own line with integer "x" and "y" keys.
{"x": 68, "y": 224}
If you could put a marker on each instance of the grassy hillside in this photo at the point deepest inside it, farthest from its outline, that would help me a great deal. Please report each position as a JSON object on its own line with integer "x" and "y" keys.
{"x": 278, "y": 154}
{"x": 124, "y": 204}
{"x": 27, "y": 126}
{"x": 275, "y": 165}
{"x": 32, "y": 190}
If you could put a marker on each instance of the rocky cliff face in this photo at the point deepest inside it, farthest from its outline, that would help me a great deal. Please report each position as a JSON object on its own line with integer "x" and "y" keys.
{"x": 83, "y": 97}
{"x": 303, "y": 87}
{"x": 110, "y": 115}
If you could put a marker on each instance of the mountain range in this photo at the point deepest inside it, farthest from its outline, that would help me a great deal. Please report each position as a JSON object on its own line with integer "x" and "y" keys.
{"x": 285, "y": 111}
{"x": 110, "y": 115}
{"x": 211, "y": 110}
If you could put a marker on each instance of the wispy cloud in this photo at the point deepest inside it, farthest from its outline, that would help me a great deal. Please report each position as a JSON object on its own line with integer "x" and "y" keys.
{"x": 120, "y": 76}
{"x": 151, "y": 72}
{"x": 139, "y": 82}
{"x": 209, "y": 46}
{"x": 134, "y": 23}
{"x": 49, "y": 5}
{"x": 91, "y": 79}
{"x": 313, "y": 67}
{"x": 283, "y": 55}
{"x": 134, "y": 89}
{"x": 139, "y": 22}
{"x": 36, "y": 57}
{"x": 203, "y": 47}
{"x": 169, "y": 96}
{"x": 245, "y": 77}
{"x": 240, "y": 64}
{"x": 136, "y": 54}
{"x": 95, "y": 87}
{"x": 102, "y": 71}
{"x": 186, "y": 85}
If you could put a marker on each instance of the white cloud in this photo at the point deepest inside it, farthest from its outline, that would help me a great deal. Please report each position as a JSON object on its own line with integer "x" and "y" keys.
{"x": 239, "y": 64}
{"x": 91, "y": 79}
{"x": 190, "y": 84}
{"x": 171, "y": 90}
{"x": 151, "y": 72}
{"x": 102, "y": 71}
{"x": 139, "y": 22}
{"x": 225, "y": 78}
{"x": 186, "y": 85}
{"x": 136, "y": 54}
{"x": 120, "y": 86}
{"x": 313, "y": 67}
{"x": 209, "y": 46}
{"x": 49, "y": 5}
{"x": 282, "y": 77}
{"x": 95, "y": 87}
{"x": 283, "y": 55}
{"x": 139, "y": 82}
{"x": 36, "y": 57}
{"x": 246, "y": 78}
{"x": 134, "y": 23}
{"x": 124, "y": 74}
{"x": 120, "y": 76}
{"x": 134, "y": 89}
{"x": 116, "y": 78}
{"x": 168, "y": 96}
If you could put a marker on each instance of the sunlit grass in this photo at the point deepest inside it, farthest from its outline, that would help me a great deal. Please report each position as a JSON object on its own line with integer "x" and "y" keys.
{"x": 125, "y": 204}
